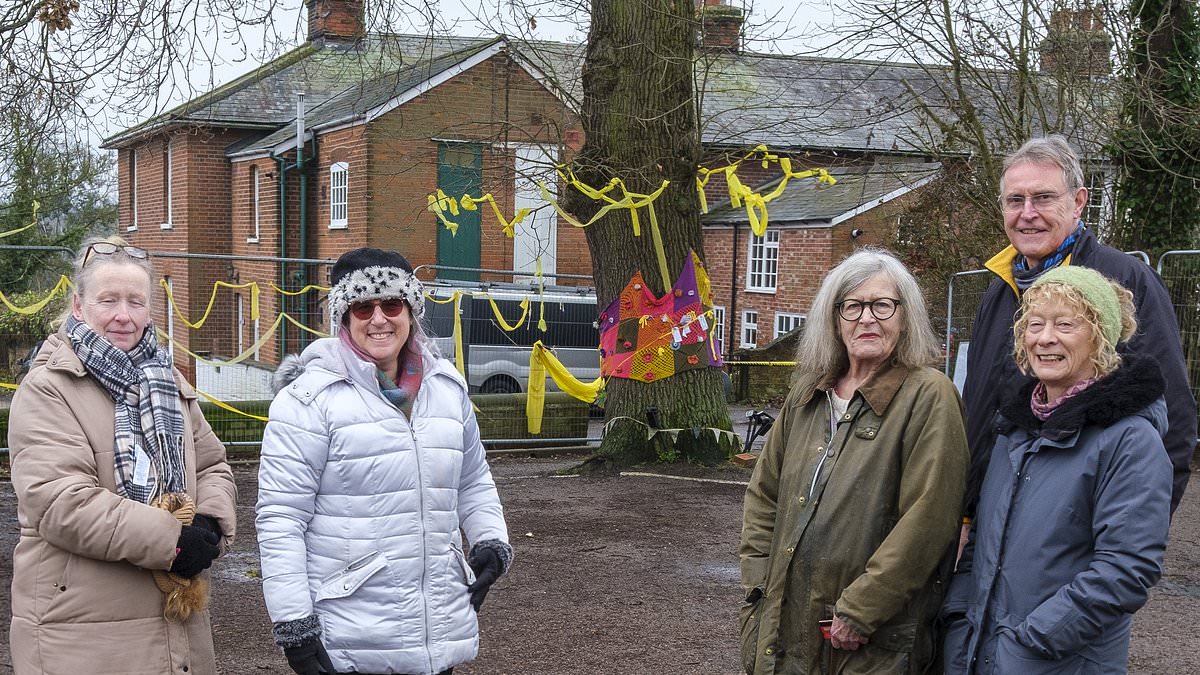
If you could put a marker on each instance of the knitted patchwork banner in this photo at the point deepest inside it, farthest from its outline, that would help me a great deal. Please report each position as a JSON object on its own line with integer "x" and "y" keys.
{"x": 647, "y": 338}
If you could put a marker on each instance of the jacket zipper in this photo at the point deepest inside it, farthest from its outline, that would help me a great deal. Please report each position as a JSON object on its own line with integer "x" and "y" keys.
{"x": 412, "y": 431}
{"x": 828, "y": 442}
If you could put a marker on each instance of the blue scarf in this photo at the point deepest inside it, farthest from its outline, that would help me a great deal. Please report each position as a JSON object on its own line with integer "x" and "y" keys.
{"x": 1024, "y": 276}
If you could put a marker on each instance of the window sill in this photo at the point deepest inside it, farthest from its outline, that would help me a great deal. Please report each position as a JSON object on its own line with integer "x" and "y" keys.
{"x": 131, "y": 228}
{"x": 337, "y": 226}
{"x": 166, "y": 226}
{"x": 762, "y": 291}
{"x": 251, "y": 240}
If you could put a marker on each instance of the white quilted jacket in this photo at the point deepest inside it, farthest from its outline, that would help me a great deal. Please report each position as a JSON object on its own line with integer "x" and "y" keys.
{"x": 359, "y": 513}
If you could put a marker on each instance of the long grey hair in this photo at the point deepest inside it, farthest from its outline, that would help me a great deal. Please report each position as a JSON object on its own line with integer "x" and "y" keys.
{"x": 821, "y": 351}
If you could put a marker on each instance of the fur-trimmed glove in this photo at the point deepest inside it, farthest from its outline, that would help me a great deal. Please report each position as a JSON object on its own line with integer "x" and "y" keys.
{"x": 197, "y": 549}
{"x": 489, "y": 560}
{"x": 301, "y": 642}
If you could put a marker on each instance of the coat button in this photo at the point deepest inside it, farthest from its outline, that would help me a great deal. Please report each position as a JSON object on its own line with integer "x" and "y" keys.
{"x": 846, "y": 417}
{"x": 802, "y": 501}
{"x": 769, "y": 651}
{"x": 346, "y": 587}
{"x": 791, "y": 550}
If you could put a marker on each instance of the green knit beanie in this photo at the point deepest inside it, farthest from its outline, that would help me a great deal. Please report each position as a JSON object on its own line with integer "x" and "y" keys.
{"x": 1095, "y": 289}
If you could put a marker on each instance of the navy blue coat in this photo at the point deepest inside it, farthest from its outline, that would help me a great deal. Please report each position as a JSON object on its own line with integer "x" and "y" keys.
{"x": 989, "y": 360}
{"x": 1069, "y": 533}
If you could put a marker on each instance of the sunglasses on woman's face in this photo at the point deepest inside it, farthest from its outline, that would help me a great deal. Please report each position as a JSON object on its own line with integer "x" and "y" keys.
{"x": 108, "y": 248}
{"x": 363, "y": 311}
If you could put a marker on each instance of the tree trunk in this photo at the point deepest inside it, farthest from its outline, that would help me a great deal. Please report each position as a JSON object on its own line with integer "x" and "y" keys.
{"x": 640, "y": 121}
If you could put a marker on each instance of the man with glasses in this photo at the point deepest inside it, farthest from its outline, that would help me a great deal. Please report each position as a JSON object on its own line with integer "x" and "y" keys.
{"x": 1042, "y": 197}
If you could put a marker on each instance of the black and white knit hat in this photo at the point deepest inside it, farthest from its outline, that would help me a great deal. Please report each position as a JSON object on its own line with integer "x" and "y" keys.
{"x": 372, "y": 274}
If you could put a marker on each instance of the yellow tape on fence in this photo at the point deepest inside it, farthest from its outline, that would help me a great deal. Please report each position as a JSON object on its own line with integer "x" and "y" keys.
{"x": 258, "y": 344}
{"x": 541, "y": 362}
{"x": 6, "y": 385}
{"x": 63, "y": 285}
{"x": 33, "y": 220}
{"x": 212, "y": 298}
{"x": 225, "y": 406}
{"x": 302, "y": 291}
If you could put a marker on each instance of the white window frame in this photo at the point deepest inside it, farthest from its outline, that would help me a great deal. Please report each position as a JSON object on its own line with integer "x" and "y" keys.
{"x": 169, "y": 180}
{"x": 762, "y": 262}
{"x": 718, "y": 329}
{"x": 749, "y": 329}
{"x": 792, "y": 320}
{"x": 255, "y": 195}
{"x": 133, "y": 190}
{"x": 339, "y": 195}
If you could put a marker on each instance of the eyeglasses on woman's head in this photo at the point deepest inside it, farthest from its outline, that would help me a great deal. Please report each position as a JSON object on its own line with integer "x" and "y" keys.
{"x": 881, "y": 309}
{"x": 363, "y": 311}
{"x": 109, "y": 248}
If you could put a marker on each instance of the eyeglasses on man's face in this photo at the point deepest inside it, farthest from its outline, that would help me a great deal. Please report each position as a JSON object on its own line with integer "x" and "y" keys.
{"x": 1040, "y": 202}
{"x": 109, "y": 248}
{"x": 363, "y": 311}
{"x": 881, "y": 309}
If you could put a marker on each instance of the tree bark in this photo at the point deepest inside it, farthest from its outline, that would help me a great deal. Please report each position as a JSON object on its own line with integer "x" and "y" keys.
{"x": 640, "y": 121}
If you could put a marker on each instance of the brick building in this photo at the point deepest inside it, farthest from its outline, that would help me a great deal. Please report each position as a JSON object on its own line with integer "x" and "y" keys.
{"x": 338, "y": 143}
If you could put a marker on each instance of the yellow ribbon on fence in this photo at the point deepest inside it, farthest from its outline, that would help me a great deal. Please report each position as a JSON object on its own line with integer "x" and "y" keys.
{"x": 500, "y": 318}
{"x": 33, "y": 221}
{"x": 257, "y": 345}
{"x": 212, "y": 299}
{"x": 541, "y": 362}
{"x": 302, "y": 291}
{"x": 225, "y": 406}
{"x": 62, "y": 285}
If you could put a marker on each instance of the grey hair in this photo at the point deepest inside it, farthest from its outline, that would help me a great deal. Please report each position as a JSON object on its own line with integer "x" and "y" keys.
{"x": 1053, "y": 150}
{"x": 821, "y": 351}
{"x": 81, "y": 276}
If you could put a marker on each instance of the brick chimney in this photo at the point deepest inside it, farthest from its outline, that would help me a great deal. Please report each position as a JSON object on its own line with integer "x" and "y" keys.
{"x": 334, "y": 20}
{"x": 1077, "y": 44}
{"x": 720, "y": 26}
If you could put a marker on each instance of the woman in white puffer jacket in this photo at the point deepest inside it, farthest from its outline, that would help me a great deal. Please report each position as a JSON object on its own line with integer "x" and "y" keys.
{"x": 371, "y": 464}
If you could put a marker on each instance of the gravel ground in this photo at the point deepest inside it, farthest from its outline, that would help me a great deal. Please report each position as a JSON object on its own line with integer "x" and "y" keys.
{"x": 620, "y": 574}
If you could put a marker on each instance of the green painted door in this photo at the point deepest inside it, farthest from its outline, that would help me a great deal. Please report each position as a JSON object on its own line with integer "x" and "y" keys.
{"x": 460, "y": 171}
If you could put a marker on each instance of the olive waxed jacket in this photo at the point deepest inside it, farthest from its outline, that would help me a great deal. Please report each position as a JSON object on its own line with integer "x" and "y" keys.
{"x": 862, "y": 525}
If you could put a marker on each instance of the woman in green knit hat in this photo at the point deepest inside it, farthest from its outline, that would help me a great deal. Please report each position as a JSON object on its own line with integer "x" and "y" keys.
{"x": 1072, "y": 520}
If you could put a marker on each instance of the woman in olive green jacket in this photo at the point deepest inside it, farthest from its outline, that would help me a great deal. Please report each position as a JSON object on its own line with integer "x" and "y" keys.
{"x": 851, "y": 513}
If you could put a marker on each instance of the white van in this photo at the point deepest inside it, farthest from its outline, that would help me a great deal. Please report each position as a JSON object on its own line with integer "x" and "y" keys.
{"x": 497, "y": 361}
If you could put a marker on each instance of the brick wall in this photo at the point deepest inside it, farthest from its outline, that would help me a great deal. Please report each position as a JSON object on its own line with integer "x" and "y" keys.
{"x": 805, "y": 255}
{"x": 496, "y": 104}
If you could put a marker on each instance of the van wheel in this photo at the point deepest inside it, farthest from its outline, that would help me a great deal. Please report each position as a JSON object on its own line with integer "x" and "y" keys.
{"x": 500, "y": 384}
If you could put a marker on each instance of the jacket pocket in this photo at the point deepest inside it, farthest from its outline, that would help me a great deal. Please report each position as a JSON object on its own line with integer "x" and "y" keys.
{"x": 459, "y": 561}
{"x": 350, "y": 578}
{"x": 749, "y": 617}
{"x": 1014, "y": 657}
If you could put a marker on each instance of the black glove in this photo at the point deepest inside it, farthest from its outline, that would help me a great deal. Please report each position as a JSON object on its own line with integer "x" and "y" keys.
{"x": 486, "y": 565}
{"x": 208, "y": 523}
{"x": 309, "y": 659}
{"x": 197, "y": 550}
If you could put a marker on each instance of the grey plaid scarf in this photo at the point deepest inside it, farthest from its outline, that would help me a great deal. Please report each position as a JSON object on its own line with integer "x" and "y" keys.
{"x": 149, "y": 421}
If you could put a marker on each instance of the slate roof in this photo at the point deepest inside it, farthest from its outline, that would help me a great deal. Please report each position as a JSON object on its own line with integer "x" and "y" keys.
{"x": 810, "y": 202}
{"x": 786, "y": 102}
{"x": 367, "y": 95}
{"x": 265, "y": 98}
